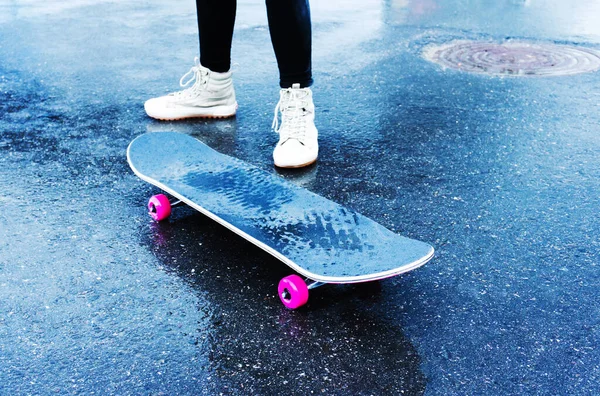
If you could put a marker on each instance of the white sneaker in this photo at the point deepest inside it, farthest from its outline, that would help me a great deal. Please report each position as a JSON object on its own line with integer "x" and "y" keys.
{"x": 298, "y": 137}
{"x": 211, "y": 96}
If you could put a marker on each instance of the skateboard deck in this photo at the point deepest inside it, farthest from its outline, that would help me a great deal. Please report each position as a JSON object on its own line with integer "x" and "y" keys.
{"x": 317, "y": 238}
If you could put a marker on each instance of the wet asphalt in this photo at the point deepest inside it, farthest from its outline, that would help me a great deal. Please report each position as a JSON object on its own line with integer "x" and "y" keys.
{"x": 500, "y": 174}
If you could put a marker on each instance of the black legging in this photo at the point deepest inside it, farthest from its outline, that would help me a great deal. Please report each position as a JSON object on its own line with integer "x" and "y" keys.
{"x": 289, "y": 24}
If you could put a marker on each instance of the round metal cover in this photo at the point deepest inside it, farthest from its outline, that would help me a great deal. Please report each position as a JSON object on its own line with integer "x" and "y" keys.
{"x": 514, "y": 58}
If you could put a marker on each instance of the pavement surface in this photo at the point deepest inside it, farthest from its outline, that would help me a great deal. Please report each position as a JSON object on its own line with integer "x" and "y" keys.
{"x": 500, "y": 174}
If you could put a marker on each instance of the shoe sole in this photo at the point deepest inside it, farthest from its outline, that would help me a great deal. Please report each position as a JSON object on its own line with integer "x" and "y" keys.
{"x": 297, "y": 166}
{"x": 192, "y": 116}
{"x": 224, "y": 110}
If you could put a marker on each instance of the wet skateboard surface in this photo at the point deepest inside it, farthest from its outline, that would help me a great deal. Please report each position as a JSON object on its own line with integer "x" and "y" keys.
{"x": 315, "y": 236}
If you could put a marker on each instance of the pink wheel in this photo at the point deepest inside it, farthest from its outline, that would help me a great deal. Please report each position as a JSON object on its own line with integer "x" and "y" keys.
{"x": 293, "y": 291}
{"x": 159, "y": 207}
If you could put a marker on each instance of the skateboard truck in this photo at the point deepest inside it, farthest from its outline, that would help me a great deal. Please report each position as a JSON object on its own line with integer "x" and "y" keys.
{"x": 159, "y": 207}
{"x": 293, "y": 290}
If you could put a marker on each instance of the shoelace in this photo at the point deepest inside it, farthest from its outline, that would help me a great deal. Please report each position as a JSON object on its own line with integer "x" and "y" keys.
{"x": 293, "y": 109}
{"x": 198, "y": 74}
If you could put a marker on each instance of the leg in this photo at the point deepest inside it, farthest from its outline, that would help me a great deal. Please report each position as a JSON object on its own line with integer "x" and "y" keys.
{"x": 216, "y": 19}
{"x": 212, "y": 94}
{"x": 290, "y": 27}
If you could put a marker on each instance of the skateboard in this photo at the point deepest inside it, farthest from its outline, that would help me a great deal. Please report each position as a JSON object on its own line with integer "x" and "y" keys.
{"x": 320, "y": 240}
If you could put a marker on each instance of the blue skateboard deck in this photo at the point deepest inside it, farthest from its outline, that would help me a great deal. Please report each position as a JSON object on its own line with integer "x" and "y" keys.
{"x": 314, "y": 236}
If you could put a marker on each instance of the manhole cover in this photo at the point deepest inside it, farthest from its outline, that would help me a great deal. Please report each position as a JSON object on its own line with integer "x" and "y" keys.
{"x": 514, "y": 58}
